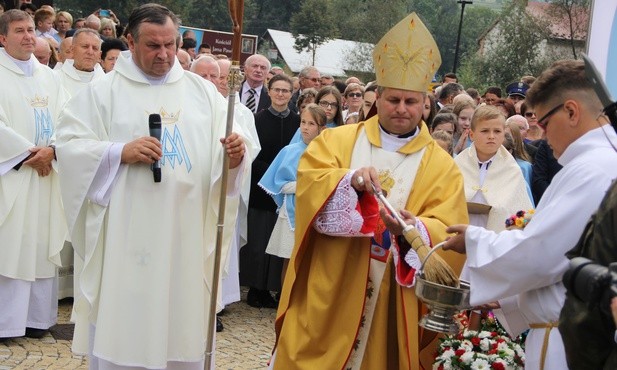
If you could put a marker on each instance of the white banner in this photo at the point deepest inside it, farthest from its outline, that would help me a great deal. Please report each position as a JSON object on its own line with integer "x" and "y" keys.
{"x": 602, "y": 43}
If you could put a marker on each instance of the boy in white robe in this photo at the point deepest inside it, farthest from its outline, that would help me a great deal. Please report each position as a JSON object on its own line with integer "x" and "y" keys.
{"x": 523, "y": 268}
{"x": 147, "y": 245}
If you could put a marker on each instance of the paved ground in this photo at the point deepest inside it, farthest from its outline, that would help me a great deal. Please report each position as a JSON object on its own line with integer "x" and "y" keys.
{"x": 245, "y": 343}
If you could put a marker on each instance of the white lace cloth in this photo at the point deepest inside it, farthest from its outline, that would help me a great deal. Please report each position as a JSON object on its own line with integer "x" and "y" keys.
{"x": 340, "y": 217}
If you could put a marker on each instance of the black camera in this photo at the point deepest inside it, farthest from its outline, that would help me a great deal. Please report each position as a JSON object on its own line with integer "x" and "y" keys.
{"x": 591, "y": 283}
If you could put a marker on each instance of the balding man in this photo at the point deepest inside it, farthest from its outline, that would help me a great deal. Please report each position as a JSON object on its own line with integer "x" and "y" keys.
{"x": 42, "y": 51}
{"x": 93, "y": 22}
{"x": 207, "y": 67}
{"x": 65, "y": 52}
{"x": 222, "y": 85}
{"x": 184, "y": 58}
{"x": 309, "y": 78}
{"x": 253, "y": 92}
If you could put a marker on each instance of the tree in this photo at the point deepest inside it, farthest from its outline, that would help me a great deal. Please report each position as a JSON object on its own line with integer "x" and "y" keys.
{"x": 509, "y": 52}
{"x": 313, "y": 25}
{"x": 576, "y": 15}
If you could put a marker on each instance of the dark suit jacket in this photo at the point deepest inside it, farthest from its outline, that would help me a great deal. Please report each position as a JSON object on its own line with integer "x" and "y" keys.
{"x": 264, "y": 98}
{"x": 293, "y": 103}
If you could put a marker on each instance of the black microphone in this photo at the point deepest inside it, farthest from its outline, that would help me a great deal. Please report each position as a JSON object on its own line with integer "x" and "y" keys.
{"x": 155, "y": 131}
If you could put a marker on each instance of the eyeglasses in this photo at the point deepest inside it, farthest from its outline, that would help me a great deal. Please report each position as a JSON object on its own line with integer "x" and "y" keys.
{"x": 354, "y": 95}
{"x": 530, "y": 114}
{"x": 314, "y": 79}
{"x": 325, "y": 104}
{"x": 543, "y": 122}
{"x": 281, "y": 91}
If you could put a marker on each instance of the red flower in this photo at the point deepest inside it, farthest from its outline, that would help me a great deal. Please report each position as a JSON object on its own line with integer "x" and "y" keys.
{"x": 475, "y": 341}
{"x": 459, "y": 352}
{"x": 497, "y": 366}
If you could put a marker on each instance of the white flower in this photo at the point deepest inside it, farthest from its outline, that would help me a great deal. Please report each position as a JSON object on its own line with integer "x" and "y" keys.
{"x": 480, "y": 364}
{"x": 467, "y": 357}
{"x": 485, "y": 344}
{"x": 485, "y": 334}
{"x": 466, "y": 345}
{"x": 446, "y": 355}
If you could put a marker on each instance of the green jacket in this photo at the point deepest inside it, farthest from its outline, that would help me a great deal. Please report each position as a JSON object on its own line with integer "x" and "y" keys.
{"x": 589, "y": 333}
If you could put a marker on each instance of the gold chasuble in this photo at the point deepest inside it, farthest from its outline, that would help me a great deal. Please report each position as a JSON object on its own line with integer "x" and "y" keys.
{"x": 322, "y": 303}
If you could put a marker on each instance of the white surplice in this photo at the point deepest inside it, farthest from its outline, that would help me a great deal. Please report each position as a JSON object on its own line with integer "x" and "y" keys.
{"x": 148, "y": 247}
{"x": 32, "y": 223}
{"x": 72, "y": 81}
{"x": 523, "y": 268}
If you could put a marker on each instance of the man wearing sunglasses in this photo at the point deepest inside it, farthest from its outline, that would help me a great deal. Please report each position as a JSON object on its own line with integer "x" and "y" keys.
{"x": 309, "y": 78}
{"x": 530, "y": 293}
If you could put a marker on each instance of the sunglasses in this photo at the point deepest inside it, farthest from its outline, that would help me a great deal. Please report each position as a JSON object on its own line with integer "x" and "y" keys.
{"x": 354, "y": 95}
{"x": 530, "y": 114}
{"x": 544, "y": 121}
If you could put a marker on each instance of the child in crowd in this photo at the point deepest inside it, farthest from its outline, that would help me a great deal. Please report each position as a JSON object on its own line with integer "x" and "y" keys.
{"x": 491, "y": 175}
{"x": 444, "y": 139}
{"x": 44, "y": 22}
{"x": 464, "y": 111}
{"x": 280, "y": 182}
{"x": 444, "y": 122}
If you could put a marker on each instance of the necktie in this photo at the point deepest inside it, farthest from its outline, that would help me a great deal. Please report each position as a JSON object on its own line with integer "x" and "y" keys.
{"x": 250, "y": 102}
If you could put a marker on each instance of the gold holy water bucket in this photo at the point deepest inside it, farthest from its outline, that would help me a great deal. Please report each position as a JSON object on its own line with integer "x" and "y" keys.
{"x": 443, "y": 301}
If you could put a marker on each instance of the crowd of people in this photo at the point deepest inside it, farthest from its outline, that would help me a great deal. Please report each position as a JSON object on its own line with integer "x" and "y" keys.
{"x": 303, "y": 230}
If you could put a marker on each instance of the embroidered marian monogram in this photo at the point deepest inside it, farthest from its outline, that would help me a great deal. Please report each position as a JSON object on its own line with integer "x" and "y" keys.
{"x": 43, "y": 123}
{"x": 174, "y": 150}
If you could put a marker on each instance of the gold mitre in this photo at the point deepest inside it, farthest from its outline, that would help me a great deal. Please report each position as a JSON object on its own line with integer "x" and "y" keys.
{"x": 406, "y": 57}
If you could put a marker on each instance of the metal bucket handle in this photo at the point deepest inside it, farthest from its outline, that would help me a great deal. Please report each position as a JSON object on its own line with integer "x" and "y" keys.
{"x": 433, "y": 250}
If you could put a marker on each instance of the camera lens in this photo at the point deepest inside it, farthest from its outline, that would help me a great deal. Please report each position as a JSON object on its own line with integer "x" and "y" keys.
{"x": 586, "y": 280}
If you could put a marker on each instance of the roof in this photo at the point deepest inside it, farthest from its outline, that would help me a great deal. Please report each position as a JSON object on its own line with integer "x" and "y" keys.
{"x": 559, "y": 27}
{"x": 330, "y": 57}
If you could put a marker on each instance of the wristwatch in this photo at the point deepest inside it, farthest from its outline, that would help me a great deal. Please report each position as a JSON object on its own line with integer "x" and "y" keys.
{"x": 53, "y": 147}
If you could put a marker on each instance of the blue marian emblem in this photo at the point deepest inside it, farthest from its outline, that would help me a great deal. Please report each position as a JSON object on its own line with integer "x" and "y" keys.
{"x": 173, "y": 148}
{"x": 43, "y": 125}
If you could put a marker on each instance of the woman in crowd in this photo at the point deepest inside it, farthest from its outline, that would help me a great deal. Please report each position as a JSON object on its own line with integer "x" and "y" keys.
{"x": 506, "y": 107}
{"x": 108, "y": 28}
{"x": 307, "y": 97}
{"x": 63, "y": 23}
{"x": 368, "y": 102}
{"x": 445, "y": 122}
{"x": 275, "y": 126}
{"x": 430, "y": 109}
{"x": 279, "y": 182}
{"x": 353, "y": 98}
{"x": 534, "y": 133}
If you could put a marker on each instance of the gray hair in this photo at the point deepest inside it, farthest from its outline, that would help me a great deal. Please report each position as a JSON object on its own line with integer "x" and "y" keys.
{"x": 86, "y": 30}
{"x": 306, "y": 70}
{"x": 10, "y": 16}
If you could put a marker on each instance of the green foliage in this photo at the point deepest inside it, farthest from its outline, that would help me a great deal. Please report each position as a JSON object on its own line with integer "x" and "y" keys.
{"x": 313, "y": 25}
{"x": 510, "y": 53}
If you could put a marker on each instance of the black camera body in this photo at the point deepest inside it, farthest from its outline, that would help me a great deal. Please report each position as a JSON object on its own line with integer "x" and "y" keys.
{"x": 592, "y": 283}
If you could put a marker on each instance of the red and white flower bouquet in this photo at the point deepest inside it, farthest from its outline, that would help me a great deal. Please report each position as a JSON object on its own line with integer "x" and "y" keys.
{"x": 490, "y": 348}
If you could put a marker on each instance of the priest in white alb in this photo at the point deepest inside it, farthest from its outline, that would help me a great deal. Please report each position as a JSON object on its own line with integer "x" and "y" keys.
{"x": 32, "y": 224}
{"x": 148, "y": 246}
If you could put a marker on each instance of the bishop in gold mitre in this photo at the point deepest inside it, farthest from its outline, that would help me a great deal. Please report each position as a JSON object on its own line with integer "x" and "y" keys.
{"x": 348, "y": 299}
